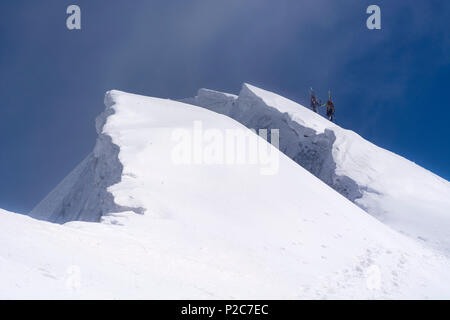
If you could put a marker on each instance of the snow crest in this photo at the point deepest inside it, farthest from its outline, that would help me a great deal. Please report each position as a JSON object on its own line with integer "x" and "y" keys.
{"x": 208, "y": 231}
{"x": 309, "y": 146}
{"x": 396, "y": 191}
{"x": 83, "y": 195}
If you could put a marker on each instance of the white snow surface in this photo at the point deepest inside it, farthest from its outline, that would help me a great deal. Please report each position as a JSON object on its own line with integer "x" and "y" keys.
{"x": 396, "y": 191}
{"x": 208, "y": 231}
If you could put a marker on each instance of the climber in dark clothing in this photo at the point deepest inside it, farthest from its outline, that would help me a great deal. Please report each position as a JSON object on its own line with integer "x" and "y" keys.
{"x": 314, "y": 102}
{"x": 330, "y": 107}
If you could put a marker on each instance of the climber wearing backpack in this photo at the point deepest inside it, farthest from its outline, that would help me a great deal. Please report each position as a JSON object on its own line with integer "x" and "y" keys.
{"x": 314, "y": 102}
{"x": 330, "y": 107}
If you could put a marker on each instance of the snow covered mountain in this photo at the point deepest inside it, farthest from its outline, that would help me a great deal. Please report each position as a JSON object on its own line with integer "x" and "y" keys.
{"x": 209, "y": 229}
{"x": 206, "y": 229}
{"x": 396, "y": 191}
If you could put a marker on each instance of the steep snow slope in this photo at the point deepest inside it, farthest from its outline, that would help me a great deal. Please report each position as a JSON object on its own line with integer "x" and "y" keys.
{"x": 208, "y": 230}
{"x": 169, "y": 260}
{"x": 396, "y": 191}
{"x": 83, "y": 195}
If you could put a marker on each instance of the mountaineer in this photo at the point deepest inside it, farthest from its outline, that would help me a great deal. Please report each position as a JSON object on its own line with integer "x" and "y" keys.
{"x": 314, "y": 102}
{"x": 330, "y": 107}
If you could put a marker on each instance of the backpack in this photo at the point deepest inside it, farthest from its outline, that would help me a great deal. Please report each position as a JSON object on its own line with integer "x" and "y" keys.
{"x": 330, "y": 107}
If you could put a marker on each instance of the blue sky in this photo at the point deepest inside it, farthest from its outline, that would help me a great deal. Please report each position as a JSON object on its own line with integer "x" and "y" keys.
{"x": 391, "y": 85}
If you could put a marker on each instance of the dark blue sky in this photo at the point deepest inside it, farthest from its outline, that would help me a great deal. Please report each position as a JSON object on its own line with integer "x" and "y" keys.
{"x": 391, "y": 86}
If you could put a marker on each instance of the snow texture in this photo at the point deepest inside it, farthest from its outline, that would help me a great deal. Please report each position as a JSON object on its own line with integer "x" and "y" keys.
{"x": 214, "y": 231}
{"x": 393, "y": 189}
{"x": 83, "y": 195}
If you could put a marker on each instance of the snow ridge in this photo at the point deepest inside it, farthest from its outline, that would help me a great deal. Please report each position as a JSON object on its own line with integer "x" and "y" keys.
{"x": 396, "y": 191}
{"x": 310, "y": 148}
{"x": 211, "y": 231}
{"x": 83, "y": 195}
